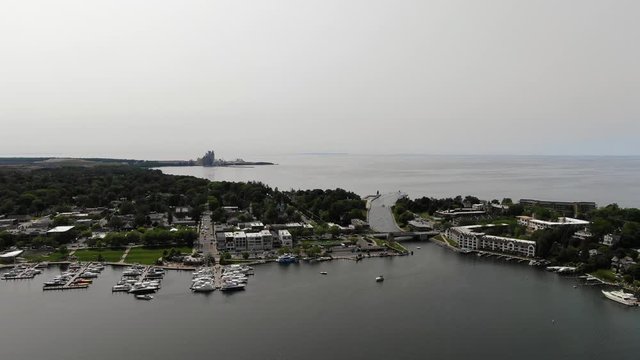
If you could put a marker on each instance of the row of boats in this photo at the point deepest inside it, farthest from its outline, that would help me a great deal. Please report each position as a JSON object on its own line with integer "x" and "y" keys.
{"x": 140, "y": 281}
{"x": 76, "y": 276}
{"x": 232, "y": 278}
{"x": 23, "y": 272}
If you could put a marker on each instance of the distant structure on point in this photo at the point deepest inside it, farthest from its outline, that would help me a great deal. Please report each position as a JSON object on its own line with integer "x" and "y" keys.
{"x": 209, "y": 159}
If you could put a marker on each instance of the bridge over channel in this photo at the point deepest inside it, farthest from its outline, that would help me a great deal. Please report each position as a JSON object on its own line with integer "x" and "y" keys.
{"x": 407, "y": 235}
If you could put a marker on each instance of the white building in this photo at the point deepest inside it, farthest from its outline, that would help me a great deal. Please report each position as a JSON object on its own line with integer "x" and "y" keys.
{"x": 535, "y": 224}
{"x": 610, "y": 239}
{"x": 285, "y": 238}
{"x": 471, "y": 238}
{"x": 240, "y": 240}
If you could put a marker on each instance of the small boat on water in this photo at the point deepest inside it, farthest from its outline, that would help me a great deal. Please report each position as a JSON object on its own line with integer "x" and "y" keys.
{"x": 144, "y": 297}
{"x": 621, "y": 297}
{"x": 380, "y": 278}
{"x": 418, "y": 247}
{"x": 323, "y": 272}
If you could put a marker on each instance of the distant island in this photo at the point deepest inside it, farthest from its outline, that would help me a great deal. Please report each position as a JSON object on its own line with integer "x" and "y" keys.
{"x": 207, "y": 160}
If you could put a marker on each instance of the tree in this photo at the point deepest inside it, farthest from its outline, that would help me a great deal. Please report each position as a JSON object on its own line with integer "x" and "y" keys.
{"x": 245, "y": 255}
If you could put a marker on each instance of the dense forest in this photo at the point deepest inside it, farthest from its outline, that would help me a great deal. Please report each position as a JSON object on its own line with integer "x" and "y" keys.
{"x": 337, "y": 206}
{"x": 41, "y": 191}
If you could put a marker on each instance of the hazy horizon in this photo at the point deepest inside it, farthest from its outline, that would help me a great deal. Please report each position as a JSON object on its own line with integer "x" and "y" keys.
{"x": 170, "y": 80}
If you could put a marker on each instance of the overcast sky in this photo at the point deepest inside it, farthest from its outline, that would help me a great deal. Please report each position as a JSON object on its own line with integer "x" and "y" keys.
{"x": 170, "y": 79}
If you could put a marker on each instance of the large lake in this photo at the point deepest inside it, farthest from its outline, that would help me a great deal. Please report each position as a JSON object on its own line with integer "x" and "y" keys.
{"x": 433, "y": 305}
{"x": 604, "y": 180}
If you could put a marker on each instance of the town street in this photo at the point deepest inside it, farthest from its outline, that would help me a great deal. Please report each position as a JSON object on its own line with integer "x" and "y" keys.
{"x": 206, "y": 237}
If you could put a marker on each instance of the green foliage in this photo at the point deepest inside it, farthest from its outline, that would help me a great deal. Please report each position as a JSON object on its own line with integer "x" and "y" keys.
{"x": 337, "y": 206}
{"x": 427, "y": 204}
{"x": 57, "y": 189}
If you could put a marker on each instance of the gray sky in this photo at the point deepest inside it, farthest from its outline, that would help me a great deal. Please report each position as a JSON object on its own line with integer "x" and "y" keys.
{"x": 171, "y": 79}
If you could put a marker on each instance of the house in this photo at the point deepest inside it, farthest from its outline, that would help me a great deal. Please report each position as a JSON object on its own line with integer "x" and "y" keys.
{"x": 359, "y": 224}
{"x": 584, "y": 234}
{"x": 610, "y": 239}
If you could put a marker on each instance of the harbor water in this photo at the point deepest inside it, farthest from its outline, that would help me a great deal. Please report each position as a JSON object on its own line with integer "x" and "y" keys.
{"x": 435, "y": 304}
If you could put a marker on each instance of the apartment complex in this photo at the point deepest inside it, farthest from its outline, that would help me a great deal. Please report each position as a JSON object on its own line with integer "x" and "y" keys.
{"x": 239, "y": 241}
{"x": 472, "y": 238}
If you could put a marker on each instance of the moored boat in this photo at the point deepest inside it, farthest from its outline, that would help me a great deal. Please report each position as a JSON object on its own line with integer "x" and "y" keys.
{"x": 621, "y": 297}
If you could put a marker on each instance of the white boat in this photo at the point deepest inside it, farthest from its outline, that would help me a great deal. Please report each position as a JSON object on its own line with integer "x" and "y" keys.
{"x": 121, "y": 288}
{"x": 621, "y": 297}
{"x": 232, "y": 286}
{"x": 206, "y": 286}
{"x": 380, "y": 278}
{"x": 144, "y": 297}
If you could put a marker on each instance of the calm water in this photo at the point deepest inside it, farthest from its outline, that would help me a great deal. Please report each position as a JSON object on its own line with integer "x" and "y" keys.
{"x": 435, "y": 304}
{"x": 604, "y": 180}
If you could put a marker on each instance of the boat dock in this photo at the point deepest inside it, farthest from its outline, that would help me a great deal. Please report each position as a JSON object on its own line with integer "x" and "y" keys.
{"x": 25, "y": 273}
{"x": 73, "y": 282}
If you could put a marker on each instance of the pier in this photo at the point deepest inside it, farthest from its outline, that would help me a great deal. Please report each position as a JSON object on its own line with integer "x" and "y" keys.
{"x": 26, "y": 273}
{"x": 72, "y": 283}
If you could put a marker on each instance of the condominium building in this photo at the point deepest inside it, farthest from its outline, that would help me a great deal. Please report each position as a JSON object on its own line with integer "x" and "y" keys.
{"x": 472, "y": 238}
{"x": 285, "y": 238}
{"x": 535, "y": 224}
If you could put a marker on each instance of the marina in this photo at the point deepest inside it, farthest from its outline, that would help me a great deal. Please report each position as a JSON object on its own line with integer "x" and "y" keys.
{"x": 77, "y": 276}
{"x": 140, "y": 281}
{"x": 226, "y": 278}
{"x": 23, "y": 272}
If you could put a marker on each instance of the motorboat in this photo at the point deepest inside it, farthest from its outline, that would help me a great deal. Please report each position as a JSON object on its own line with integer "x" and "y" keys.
{"x": 287, "y": 259}
{"x": 380, "y": 278}
{"x": 232, "y": 286}
{"x": 621, "y": 297}
{"x": 144, "y": 297}
{"x": 323, "y": 272}
{"x": 142, "y": 289}
{"x": 121, "y": 288}
{"x": 205, "y": 286}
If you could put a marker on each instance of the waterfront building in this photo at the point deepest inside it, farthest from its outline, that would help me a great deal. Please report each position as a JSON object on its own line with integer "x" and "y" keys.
{"x": 267, "y": 240}
{"x": 254, "y": 241}
{"x": 420, "y": 225}
{"x": 285, "y": 238}
{"x": 534, "y": 224}
{"x": 455, "y": 215}
{"x": 567, "y": 208}
{"x": 472, "y": 238}
{"x": 240, "y": 240}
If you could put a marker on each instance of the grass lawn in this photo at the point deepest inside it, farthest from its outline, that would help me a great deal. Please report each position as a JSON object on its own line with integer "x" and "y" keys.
{"x": 605, "y": 274}
{"x": 109, "y": 255}
{"x": 148, "y": 256}
{"x": 450, "y": 242}
{"x": 44, "y": 256}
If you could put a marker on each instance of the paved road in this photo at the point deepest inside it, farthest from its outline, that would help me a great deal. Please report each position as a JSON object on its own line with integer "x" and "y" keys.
{"x": 380, "y": 217}
{"x": 206, "y": 239}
